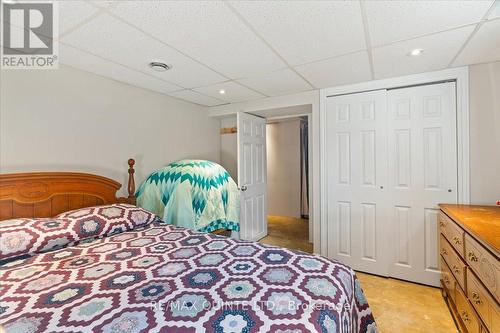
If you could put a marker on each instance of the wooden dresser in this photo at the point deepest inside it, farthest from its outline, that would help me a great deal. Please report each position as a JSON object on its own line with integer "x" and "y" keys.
{"x": 469, "y": 243}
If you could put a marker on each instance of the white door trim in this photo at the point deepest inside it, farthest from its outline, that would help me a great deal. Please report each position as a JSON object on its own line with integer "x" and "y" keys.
{"x": 310, "y": 168}
{"x": 460, "y": 75}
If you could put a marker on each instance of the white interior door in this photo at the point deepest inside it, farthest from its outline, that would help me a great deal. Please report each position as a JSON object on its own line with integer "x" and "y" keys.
{"x": 356, "y": 164}
{"x": 423, "y": 173}
{"x": 252, "y": 176}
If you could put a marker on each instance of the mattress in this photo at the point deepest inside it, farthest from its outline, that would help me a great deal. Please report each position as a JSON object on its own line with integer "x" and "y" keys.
{"x": 164, "y": 278}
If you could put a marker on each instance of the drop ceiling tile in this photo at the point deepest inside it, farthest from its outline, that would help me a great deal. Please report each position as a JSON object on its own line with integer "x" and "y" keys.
{"x": 206, "y": 30}
{"x": 74, "y": 13}
{"x": 194, "y": 97}
{"x": 90, "y": 63}
{"x": 115, "y": 40}
{"x": 496, "y": 11}
{"x": 391, "y": 21}
{"x": 281, "y": 82}
{"x": 306, "y": 31}
{"x": 106, "y": 4}
{"x": 483, "y": 47}
{"x": 341, "y": 70}
{"x": 438, "y": 51}
{"x": 69, "y": 14}
{"x": 234, "y": 92}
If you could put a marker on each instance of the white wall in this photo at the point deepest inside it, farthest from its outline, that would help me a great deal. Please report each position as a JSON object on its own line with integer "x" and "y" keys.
{"x": 70, "y": 120}
{"x": 229, "y": 148}
{"x": 485, "y": 133}
{"x": 283, "y": 168}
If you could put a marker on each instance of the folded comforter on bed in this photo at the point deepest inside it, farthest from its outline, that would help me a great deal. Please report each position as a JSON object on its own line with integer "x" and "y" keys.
{"x": 194, "y": 194}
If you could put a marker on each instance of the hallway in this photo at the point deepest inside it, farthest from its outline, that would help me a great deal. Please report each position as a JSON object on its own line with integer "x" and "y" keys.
{"x": 291, "y": 233}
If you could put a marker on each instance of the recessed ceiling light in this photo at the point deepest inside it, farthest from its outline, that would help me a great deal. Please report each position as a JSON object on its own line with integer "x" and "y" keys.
{"x": 222, "y": 91}
{"x": 416, "y": 52}
{"x": 159, "y": 66}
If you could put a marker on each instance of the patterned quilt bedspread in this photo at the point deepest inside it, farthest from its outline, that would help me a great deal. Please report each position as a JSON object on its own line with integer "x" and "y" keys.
{"x": 194, "y": 194}
{"x": 163, "y": 278}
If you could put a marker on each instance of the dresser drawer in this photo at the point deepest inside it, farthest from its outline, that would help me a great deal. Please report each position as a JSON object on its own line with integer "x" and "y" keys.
{"x": 448, "y": 281}
{"x": 466, "y": 313}
{"x": 455, "y": 263}
{"x": 483, "y": 302}
{"x": 452, "y": 232}
{"x": 484, "y": 265}
{"x": 495, "y": 318}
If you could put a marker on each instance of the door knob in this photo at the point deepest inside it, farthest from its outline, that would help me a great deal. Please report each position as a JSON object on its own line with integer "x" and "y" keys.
{"x": 381, "y": 187}
{"x": 449, "y": 190}
{"x": 243, "y": 188}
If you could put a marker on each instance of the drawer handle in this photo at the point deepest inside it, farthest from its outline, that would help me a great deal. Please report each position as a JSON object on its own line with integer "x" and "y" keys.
{"x": 476, "y": 298}
{"x": 456, "y": 269}
{"x": 472, "y": 257}
{"x": 456, "y": 240}
{"x": 444, "y": 252}
{"x": 446, "y": 279}
{"x": 442, "y": 224}
{"x": 465, "y": 316}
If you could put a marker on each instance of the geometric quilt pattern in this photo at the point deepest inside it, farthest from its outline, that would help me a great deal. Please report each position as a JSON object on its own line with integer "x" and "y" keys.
{"x": 163, "y": 278}
{"x": 25, "y": 236}
{"x": 195, "y": 194}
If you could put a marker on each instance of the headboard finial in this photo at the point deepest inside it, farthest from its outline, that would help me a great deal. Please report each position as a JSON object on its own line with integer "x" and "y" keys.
{"x": 131, "y": 181}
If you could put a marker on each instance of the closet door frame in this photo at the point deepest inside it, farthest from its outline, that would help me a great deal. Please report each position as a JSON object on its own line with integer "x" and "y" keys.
{"x": 459, "y": 75}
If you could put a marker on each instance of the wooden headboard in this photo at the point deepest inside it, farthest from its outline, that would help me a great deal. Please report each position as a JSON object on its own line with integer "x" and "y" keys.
{"x": 46, "y": 194}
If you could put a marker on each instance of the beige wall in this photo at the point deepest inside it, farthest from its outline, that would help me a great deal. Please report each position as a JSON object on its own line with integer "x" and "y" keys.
{"x": 485, "y": 133}
{"x": 72, "y": 120}
{"x": 229, "y": 148}
{"x": 283, "y": 168}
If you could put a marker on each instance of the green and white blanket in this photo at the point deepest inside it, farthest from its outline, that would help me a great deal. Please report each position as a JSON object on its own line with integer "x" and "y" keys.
{"x": 195, "y": 194}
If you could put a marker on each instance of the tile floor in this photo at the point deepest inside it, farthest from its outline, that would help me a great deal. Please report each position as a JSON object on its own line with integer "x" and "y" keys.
{"x": 288, "y": 232}
{"x": 400, "y": 306}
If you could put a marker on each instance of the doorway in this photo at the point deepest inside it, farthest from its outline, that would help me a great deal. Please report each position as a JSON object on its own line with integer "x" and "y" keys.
{"x": 287, "y": 142}
{"x": 240, "y": 133}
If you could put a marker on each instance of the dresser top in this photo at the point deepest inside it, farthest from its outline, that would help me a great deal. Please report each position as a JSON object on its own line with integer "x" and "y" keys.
{"x": 481, "y": 222}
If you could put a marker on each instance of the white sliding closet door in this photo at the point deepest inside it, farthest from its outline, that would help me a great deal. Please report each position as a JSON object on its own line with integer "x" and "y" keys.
{"x": 356, "y": 164}
{"x": 390, "y": 159}
{"x": 423, "y": 173}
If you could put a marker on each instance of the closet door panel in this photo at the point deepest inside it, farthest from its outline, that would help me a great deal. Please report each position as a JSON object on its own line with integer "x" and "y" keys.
{"x": 422, "y": 174}
{"x": 356, "y": 164}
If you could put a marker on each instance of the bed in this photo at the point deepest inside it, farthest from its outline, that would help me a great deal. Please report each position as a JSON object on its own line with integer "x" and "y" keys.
{"x": 156, "y": 277}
